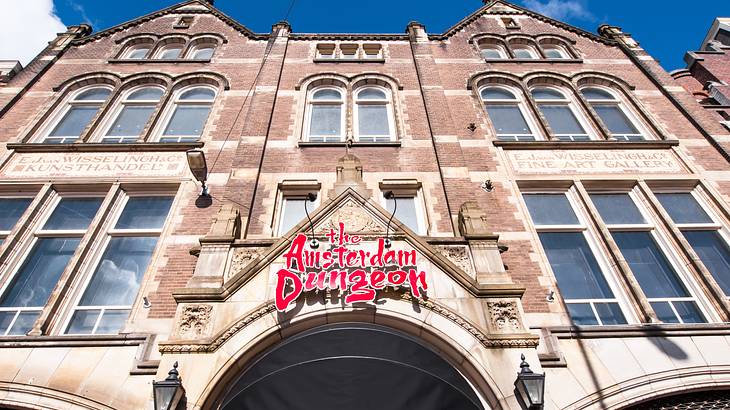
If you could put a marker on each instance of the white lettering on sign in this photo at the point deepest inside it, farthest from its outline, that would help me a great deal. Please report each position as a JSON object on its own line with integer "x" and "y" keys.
{"x": 84, "y": 164}
{"x": 595, "y": 161}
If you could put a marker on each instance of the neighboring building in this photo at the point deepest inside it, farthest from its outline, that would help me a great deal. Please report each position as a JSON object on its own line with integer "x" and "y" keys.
{"x": 707, "y": 75}
{"x": 544, "y": 191}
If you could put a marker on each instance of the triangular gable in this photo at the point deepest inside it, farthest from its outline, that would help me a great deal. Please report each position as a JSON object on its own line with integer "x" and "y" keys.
{"x": 505, "y": 7}
{"x": 188, "y": 7}
{"x": 364, "y": 218}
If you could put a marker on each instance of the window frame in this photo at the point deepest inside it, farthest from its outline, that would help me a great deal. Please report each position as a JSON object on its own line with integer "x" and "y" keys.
{"x": 35, "y": 233}
{"x": 570, "y": 102}
{"x": 534, "y": 55}
{"x": 200, "y": 45}
{"x": 591, "y": 236}
{"x": 619, "y": 102}
{"x": 564, "y": 54}
{"x": 420, "y": 206}
{"x": 93, "y": 259}
{"x": 118, "y": 106}
{"x": 67, "y": 103}
{"x": 521, "y": 104}
{"x": 16, "y": 195}
{"x": 500, "y": 49}
{"x": 157, "y": 55}
{"x": 168, "y": 110}
{"x": 664, "y": 245}
{"x": 387, "y": 102}
{"x": 310, "y": 102}
{"x": 279, "y": 217}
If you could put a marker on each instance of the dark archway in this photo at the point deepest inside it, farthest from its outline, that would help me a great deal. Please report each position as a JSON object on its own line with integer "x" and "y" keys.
{"x": 351, "y": 366}
{"x": 700, "y": 400}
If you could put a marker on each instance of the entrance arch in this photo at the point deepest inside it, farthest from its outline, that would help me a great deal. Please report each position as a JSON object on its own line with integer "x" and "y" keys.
{"x": 357, "y": 366}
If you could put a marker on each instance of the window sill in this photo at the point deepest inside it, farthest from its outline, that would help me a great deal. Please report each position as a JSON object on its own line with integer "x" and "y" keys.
{"x": 535, "y": 60}
{"x": 124, "y": 339}
{"x": 349, "y": 60}
{"x": 156, "y": 61}
{"x": 586, "y": 144}
{"x": 96, "y": 147}
{"x": 305, "y": 144}
{"x": 639, "y": 330}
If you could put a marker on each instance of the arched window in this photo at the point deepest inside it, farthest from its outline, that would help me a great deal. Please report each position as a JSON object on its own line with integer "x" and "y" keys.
{"x": 202, "y": 50}
{"x": 326, "y": 120}
{"x": 559, "y": 111}
{"x": 169, "y": 52}
{"x": 523, "y": 51}
{"x": 613, "y": 114}
{"x": 188, "y": 115}
{"x": 555, "y": 52}
{"x": 137, "y": 52}
{"x": 132, "y": 115}
{"x": 507, "y": 114}
{"x": 76, "y": 115}
{"x": 493, "y": 52}
{"x": 373, "y": 115}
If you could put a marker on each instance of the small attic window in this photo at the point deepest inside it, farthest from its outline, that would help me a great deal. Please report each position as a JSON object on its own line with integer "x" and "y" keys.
{"x": 509, "y": 22}
{"x": 184, "y": 22}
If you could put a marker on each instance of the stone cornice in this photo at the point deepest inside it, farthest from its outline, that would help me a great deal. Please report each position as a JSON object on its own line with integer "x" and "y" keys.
{"x": 520, "y": 145}
{"x": 98, "y": 147}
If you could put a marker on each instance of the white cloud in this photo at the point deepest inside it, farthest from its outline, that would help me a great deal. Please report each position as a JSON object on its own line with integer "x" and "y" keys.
{"x": 560, "y": 9}
{"x": 26, "y": 27}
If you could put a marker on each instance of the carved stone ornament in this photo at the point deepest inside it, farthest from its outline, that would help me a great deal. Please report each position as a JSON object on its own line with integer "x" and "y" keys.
{"x": 355, "y": 218}
{"x": 241, "y": 258}
{"x": 194, "y": 321}
{"x": 505, "y": 316}
{"x": 459, "y": 256}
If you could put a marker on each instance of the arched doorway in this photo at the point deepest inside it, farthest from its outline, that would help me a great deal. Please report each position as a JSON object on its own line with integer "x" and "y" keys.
{"x": 351, "y": 366}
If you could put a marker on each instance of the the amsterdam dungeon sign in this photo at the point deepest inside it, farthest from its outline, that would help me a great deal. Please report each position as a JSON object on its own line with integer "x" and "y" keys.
{"x": 346, "y": 266}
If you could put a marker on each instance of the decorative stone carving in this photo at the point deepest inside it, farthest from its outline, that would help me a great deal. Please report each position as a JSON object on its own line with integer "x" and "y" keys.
{"x": 349, "y": 175}
{"x": 241, "y": 258}
{"x": 505, "y": 316}
{"x": 459, "y": 256}
{"x": 355, "y": 218}
{"x": 473, "y": 221}
{"x": 194, "y": 321}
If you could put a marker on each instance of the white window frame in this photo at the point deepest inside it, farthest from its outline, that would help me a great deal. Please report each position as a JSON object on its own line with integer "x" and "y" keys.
{"x": 496, "y": 47}
{"x": 419, "y": 205}
{"x": 133, "y": 47}
{"x": 608, "y": 272}
{"x": 190, "y": 54}
{"x": 117, "y": 110}
{"x": 671, "y": 254}
{"x": 387, "y": 102}
{"x": 567, "y": 101}
{"x": 29, "y": 243}
{"x": 564, "y": 55}
{"x": 65, "y": 106}
{"x": 618, "y": 101}
{"x": 161, "y": 50}
{"x": 101, "y": 245}
{"x": 169, "y": 109}
{"x": 308, "y": 117}
{"x": 519, "y": 101}
{"x": 703, "y": 200}
{"x": 530, "y": 50}
{"x": 19, "y": 195}
{"x": 283, "y": 197}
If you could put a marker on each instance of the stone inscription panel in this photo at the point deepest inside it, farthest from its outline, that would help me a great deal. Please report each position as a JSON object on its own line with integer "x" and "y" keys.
{"x": 95, "y": 165}
{"x": 595, "y": 161}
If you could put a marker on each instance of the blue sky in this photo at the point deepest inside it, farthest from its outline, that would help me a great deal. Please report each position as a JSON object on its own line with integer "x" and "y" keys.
{"x": 666, "y": 28}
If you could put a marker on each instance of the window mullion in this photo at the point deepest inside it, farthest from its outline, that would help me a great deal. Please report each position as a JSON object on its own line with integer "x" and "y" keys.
{"x": 707, "y": 282}
{"x": 48, "y": 315}
{"x": 637, "y": 297}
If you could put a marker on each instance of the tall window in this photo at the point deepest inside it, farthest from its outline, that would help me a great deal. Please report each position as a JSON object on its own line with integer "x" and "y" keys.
{"x": 78, "y": 112}
{"x": 188, "y": 115}
{"x": 133, "y": 114}
{"x": 702, "y": 231}
{"x": 293, "y": 211}
{"x": 373, "y": 115}
{"x": 658, "y": 277}
{"x": 613, "y": 114}
{"x": 53, "y": 245}
{"x": 588, "y": 296}
{"x": 326, "y": 115}
{"x": 11, "y": 209}
{"x": 409, "y": 211}
{"x": 507, "y": 115}
{"x": 107, "y": 301}
{"x": 560, "y": 114}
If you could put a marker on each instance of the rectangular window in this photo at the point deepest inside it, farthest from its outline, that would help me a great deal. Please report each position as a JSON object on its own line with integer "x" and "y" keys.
{"x": 11, "y": 209}
{"x": 408, "y": 210}
{"x": 107, "y": 300}
{"x": 703, "y": 233}
{"x": 581, "y": 280}
{"x": 637, "y": 240}
{"x": 509, "y": 122}
{"x": 53, "y": 246}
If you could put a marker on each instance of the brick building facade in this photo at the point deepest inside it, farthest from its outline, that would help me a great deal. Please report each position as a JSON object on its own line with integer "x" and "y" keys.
{"x": 562, "y": 195}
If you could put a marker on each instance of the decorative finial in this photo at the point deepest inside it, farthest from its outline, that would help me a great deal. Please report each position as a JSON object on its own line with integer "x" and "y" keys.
{"x": 524, "y": 365}
{"x": 173, "y": 374}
